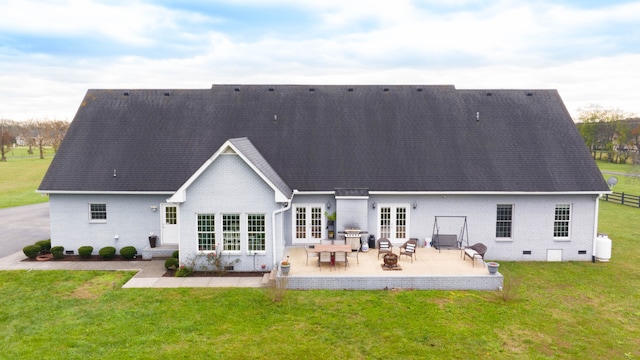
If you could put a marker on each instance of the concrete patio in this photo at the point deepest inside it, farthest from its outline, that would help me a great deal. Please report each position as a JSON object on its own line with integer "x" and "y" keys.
{"x": 431, "y": 269}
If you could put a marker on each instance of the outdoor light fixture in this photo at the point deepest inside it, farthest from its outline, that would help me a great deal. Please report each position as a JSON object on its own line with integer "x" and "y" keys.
{"x": 415, "y": 204}
{"x": 328, "y": 205}
{"x": 373, "y": 205}
{"x": 154, "y": 208}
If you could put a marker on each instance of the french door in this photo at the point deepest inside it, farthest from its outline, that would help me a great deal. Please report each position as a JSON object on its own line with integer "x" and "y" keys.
{"x": 308, "y": 223}
{"x": 393, "y": 222}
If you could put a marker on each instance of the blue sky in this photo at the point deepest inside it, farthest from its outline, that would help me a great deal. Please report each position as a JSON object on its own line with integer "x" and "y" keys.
{"x": 51, "y": 52}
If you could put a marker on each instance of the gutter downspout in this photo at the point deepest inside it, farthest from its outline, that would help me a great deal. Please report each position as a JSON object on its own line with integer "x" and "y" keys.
{"x": 595, "y": 229}
{"x": 273, "y": 229}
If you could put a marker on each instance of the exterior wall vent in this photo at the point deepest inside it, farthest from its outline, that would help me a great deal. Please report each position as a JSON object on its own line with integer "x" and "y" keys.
{"x": 526, "y": 252}
{"x": 68, "y": 252}
{"x": 582, "y": 252}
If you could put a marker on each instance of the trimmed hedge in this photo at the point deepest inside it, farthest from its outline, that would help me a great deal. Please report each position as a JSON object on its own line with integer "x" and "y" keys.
{"x": 128, "y": 252}
{"x": 107, "y": 252}
{"x": 45, "y": 245}
{"x": 57, "y": 252}
{"x": 176, "y": 254}
{"x": 171, "y": 263}
{"x": 85, "y": 251}
{"x": 31, "y": 251}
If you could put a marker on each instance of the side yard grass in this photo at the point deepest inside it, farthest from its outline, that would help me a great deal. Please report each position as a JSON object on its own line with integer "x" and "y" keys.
{"x": 21, "y": 175}
{"x": 571, "y": 310}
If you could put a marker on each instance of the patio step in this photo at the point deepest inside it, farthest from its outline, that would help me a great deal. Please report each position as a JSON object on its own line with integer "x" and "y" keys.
{"x": 269, "y": 279}
{"x": 159, "y": 252}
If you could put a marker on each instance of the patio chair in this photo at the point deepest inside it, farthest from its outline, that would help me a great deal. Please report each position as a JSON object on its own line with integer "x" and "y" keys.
{"x": 354, "y": 254}
{"x": 324, "y": 257}
{"x": 409, "y": 249}
{"x": 311, "y": 254}
{"x": 341, "y": 256}
{"x": 474, "y": 252}
{"x": 384, "y": 246}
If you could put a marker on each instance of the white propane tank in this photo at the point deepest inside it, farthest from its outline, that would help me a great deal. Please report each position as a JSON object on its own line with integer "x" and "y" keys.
{"x": 603, "y": 248}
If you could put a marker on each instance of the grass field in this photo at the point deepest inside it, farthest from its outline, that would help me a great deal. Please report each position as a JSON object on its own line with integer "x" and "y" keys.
{"x": 570, "y": 310}
{"x": 21, "y": 175}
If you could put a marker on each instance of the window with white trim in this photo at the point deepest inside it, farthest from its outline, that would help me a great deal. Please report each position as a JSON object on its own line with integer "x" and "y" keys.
{"x": 98, "y": 212}
{"x": 231, "y": 232}
{"x": 206, "y": 232}
{"x": 562, "y": 221}
{"x": 504, "y": 220}
{"x": 256, "y": 232}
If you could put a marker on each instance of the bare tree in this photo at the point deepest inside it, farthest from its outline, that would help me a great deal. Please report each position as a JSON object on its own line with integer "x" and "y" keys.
{"x": 6, "y": 139}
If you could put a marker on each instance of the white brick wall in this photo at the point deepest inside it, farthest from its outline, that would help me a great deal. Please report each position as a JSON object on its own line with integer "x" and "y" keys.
{"x": 128, "y": 216}
{"x": 228, "y": 186}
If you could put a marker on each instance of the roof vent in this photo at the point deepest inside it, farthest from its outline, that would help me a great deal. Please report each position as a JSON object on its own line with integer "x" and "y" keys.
{"x": 385, "y": 89}
{"x": 419, "y": 89}
{"x": 271, "y": 89}
{"x": 312, "y": 89}
{"x": 236, "y": 89}
{"x": 529, "y": 94}
{"x": 350, "y": 89}
{"x": 489, "y": 94}
{"x": 126, "y": 93}
{"x": 167, "y": 93}
{"x": 478, "y": 116}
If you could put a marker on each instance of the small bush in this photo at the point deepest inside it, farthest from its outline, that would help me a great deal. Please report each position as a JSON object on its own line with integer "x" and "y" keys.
{"x": 31, "y": 251}
{"x": 45, "y": 245}
{"x": 128, "y": 252}
{"x": 107, "y": 252}
{"x": 57, "y": 252}
{"x": 176, "y": 254}
{"x": 171, "y": 263}
{"x": 184, "y": 271}
{"x": 85, "y": 251}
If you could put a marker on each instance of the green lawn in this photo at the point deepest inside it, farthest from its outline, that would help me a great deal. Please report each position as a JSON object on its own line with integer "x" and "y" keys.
{"x": 571, "y": 310}
{"x": 21, "y": 175}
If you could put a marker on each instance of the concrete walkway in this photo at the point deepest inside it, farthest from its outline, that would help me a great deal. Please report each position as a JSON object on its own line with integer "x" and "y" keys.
{"x": 149, "y": 272}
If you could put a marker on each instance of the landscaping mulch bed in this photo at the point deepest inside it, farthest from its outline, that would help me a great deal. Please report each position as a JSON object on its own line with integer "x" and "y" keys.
{"x": 92, "y": 258}
{"x": 172, "y": 273}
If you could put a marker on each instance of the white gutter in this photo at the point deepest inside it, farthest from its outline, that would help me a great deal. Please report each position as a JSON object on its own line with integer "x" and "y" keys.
{"x": 105, "y": 192}
{"x": 273, "y": 229}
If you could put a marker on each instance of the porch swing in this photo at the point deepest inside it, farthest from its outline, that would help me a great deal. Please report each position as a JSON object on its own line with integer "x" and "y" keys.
{"x": 446, "y": 237}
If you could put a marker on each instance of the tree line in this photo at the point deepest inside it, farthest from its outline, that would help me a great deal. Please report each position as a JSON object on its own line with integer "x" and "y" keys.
{"x": 35, "y": 134}
{"x": 610, "y": 134}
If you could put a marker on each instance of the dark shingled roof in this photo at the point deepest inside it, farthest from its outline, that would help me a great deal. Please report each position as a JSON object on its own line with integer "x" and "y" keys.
{"x": 321, "y": 138}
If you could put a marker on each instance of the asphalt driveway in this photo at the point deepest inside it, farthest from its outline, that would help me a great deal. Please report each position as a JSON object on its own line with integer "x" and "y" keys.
{"x": 21, "y": 226}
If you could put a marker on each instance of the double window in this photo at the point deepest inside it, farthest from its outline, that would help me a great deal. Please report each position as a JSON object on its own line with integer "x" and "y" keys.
{"x": 234, "y": 232}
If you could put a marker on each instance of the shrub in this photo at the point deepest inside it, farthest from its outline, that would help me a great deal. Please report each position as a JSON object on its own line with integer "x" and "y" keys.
{"x": 107, "y": 252}
{"x": 45, "y": 245}
{"x": 184, "y": 271}
{"x": 171, "y": 263}
{"x": 57, "y": 252}
{"x": 128, "y": 252}
{"x": 31, "y": 251}
{"x": 176, "y": 254}
{"x": 85, "y": 251}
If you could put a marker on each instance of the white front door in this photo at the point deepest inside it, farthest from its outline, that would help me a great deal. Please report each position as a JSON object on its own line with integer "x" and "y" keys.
{"x": 308, "y": 224}
{"x": 393, "y": 222}
{"x": 170, "y": 228}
